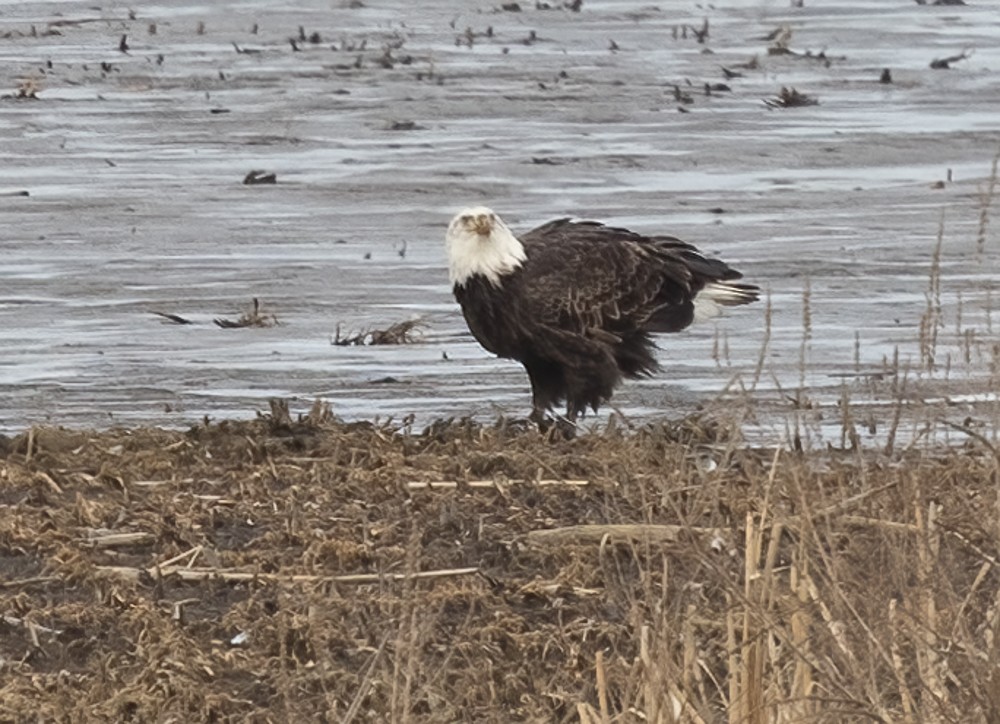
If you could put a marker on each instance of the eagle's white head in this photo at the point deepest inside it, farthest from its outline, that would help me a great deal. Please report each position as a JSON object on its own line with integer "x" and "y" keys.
{"x": 480, "y": 243}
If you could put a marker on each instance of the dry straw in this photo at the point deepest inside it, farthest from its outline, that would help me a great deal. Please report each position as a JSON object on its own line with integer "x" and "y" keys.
{"x": 302, "y": 570}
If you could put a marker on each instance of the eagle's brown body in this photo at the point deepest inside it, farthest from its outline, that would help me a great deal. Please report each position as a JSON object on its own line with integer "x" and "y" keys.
{"x": 579, "y": 306}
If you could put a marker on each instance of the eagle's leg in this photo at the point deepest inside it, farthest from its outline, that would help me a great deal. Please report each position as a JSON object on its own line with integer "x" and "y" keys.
{"x": 543, "y": 377}
{"x": 540, "y": 402}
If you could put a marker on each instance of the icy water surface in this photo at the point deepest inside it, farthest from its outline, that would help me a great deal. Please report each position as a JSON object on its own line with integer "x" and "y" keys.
{"x": 133, "y": 161}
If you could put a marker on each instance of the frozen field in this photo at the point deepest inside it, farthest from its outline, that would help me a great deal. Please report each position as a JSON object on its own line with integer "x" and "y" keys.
{"x": 378, "y": 133}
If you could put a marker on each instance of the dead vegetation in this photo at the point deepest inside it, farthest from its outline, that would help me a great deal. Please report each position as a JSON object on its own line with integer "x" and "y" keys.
{"x": 172, "y": 318}
{"x": 257, "y": 177}
{"x": 790, "y": 98}
{"x": 252, "y": 318}
{"x": 780, "y": 45}
{"x": 27, "y": 89}
{"x": 946, "y": 63}
{"x": 405, "y": 332}
{"x": 312, "y": 570}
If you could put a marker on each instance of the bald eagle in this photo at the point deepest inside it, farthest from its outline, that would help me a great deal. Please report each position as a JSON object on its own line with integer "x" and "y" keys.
{"x": 576, "y": 302}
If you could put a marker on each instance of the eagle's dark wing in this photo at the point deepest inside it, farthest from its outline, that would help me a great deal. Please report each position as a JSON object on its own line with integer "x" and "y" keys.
{"x": 596, "y": 280}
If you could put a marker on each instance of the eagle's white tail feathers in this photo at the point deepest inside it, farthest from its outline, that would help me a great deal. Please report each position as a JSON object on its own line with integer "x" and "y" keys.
{"x": 714, "y": 296}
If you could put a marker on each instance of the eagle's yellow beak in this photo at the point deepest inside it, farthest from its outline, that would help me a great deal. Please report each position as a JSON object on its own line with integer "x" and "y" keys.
{"x": 482, "y": 225}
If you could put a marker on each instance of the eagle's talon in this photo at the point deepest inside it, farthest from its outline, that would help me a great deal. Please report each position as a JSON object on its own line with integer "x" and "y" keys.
{"x": 554, "y": 428}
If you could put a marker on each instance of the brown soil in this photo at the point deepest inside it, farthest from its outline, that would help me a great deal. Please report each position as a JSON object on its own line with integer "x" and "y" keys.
{"x": 714, "y": 582}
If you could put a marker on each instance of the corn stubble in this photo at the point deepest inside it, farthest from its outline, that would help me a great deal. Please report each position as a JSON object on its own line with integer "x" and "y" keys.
{"x": 312, "y": 570}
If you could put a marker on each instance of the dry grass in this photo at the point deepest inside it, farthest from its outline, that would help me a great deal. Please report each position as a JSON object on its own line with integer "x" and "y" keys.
{"x": 307, "y": 571}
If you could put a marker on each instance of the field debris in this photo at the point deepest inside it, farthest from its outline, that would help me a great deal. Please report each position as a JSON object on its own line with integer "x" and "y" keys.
{"x": 297, "y": 569}
{"x": 405, "y": 332}
{"x": 252, "y": 318}
{"x": 257, "y": 177}
{"x": 404, "y": 126}
{"x": 172, "y": 318}
{"x": 780, "y": 44}
{"x": 790, "y": 98}
{"x": 779, "y": 40}
{"x": 28, "y": 88}
{"x": 280, "y": 417}
{"x": 946, "y": 63}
